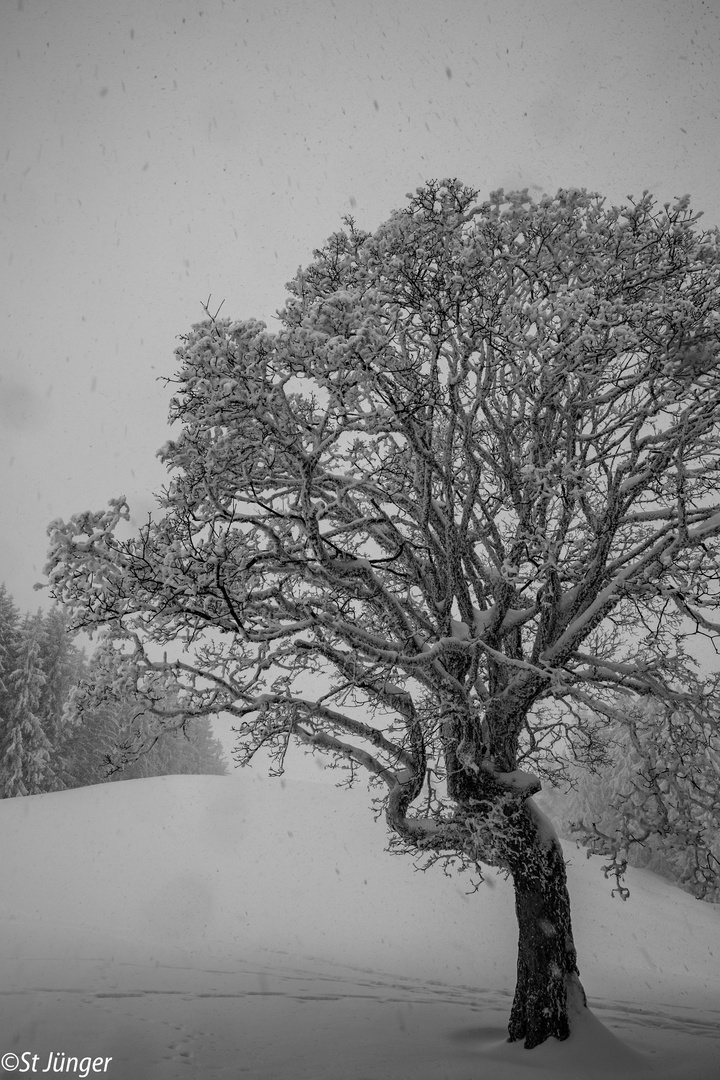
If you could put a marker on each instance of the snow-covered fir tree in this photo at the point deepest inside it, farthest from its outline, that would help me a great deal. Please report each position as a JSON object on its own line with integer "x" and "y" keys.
{"x": 26, "y": 751}
{"x": 9, "y": 641}
{"x": 62, "y": 725}
{"x": 105, "y": 716}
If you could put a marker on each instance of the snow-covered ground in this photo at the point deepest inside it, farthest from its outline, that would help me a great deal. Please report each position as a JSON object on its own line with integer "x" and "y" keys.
{"x": 248, "y": 927}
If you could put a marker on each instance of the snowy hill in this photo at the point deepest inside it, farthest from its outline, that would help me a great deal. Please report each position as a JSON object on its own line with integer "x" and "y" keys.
{"x": 248, "y": 927}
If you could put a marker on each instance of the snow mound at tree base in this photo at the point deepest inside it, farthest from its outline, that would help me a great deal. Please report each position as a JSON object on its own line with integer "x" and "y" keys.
{"x": 242, "y": 926}
{"x": 591, "y": 1052}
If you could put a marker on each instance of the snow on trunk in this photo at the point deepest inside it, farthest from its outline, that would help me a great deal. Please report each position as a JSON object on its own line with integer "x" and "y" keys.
{"x": 547, "y": 972}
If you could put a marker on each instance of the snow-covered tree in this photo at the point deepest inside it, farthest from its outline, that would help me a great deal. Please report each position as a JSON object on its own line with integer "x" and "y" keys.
{"x": 25, "y": 751}
{"x": 655, "y": 802}
{"x": 458, "y": 511}
{"x": 9, "y": 641}
{"x": 62, "y": 721}
{"x": 104, "y": 716}
{"x": 195, "y": 751}
{"x": 38, "y": 665}
{"x": 62, "y": 664}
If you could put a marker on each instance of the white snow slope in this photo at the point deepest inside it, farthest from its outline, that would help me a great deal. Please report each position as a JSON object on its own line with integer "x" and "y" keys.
{"x": 245, "y": 927}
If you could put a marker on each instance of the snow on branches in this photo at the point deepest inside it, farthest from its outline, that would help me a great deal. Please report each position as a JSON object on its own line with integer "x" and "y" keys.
{"x": 655, "y": 803}
{"x": 471, "y": 478}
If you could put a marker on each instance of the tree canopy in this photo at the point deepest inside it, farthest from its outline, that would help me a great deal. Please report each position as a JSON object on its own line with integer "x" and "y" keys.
{"x": 454, "y": 513}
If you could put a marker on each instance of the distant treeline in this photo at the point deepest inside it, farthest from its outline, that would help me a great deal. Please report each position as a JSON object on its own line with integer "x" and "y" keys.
{"x": 47, "y": 745}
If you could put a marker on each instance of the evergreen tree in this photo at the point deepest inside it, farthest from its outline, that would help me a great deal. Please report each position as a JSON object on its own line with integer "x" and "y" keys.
{"x": 25, "y": 754}
{"x": 62, "y": 664}
{"x": 62, "y": 723}
{"x": 89, "y": 741}
{"x": 106, "y": 716}
{"x": 9, "y": 641}
{"x": 194, "y": 752}
{"x": 38, "y": 666}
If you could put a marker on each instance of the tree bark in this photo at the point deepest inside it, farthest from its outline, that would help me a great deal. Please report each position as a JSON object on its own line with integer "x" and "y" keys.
{"x": 508, "y": 830}
{"x": 548, "y": 984}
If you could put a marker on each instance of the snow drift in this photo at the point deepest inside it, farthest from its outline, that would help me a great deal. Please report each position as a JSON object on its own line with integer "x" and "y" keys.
{"x": 245, "y": 926}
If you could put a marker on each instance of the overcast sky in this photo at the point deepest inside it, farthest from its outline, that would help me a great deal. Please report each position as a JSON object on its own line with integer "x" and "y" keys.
{"x": 157, "y": 153}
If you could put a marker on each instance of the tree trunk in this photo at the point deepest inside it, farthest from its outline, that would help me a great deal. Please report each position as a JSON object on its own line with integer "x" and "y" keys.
{"x": 548, "y": 985}
{"x": 510, "y": 831}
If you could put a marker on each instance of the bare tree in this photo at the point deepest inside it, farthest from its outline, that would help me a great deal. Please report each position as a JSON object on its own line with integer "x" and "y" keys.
{"x": 453, "y": 515}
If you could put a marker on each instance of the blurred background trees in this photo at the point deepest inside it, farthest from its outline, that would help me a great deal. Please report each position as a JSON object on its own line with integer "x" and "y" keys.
{"x": 60, "y": 727}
